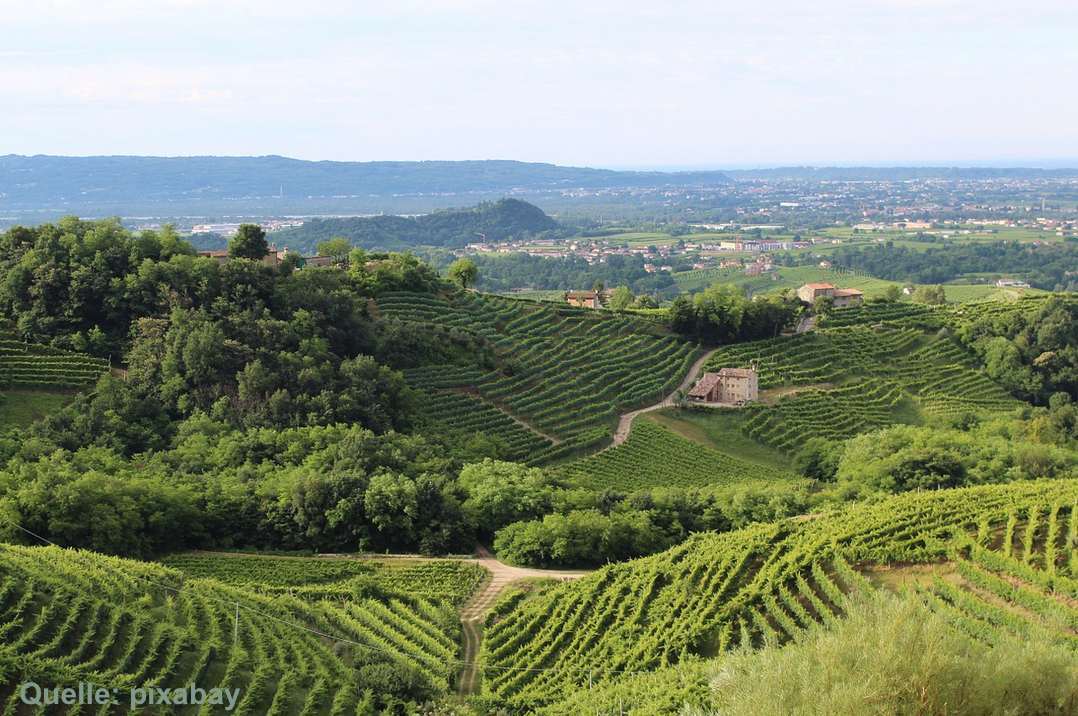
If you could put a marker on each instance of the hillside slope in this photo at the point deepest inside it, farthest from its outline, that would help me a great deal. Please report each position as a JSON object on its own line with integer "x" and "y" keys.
{"x": 68, "y": 616}
{"x": 563, "y": 374}
{"x": 493, "y": 221}
{"x": 762, "y": 584}
{"x": 29, "y": 181}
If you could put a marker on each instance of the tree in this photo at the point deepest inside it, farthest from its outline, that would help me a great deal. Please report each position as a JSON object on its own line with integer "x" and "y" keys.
{"x": 249, "y": 243}
{"x": 621, "y": 299}
{"x": 932, "y": 295}
{"x": 892, "y": 294}
{"x": 503, "y": 492}
{"x": 463, "y": 272}
{"x": 336, "y": 248}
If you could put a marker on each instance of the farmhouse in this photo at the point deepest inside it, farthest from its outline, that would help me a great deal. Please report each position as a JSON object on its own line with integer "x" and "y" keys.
{"x": 733, "y": 386}
{"x": 842, "y": 296}
{"x": 584, "y": 299}
{"x": 270, "y": 259}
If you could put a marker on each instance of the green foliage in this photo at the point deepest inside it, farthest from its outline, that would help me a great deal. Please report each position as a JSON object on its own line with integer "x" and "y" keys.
{"x": 621, "y": 299}
{"x": 767, "y": 584}
{"x": 495, "y": 221}
{"x": 902, "y": 659}
{"x": 565, "y": 373}
{"x": 463, "y": 272}
{"x": 315, "y": 578}
{"x": 503, "y": 492}
{"x": 654, "y": 456}
{"x": 249, "y": 243}
{"x": 1034, "y": 353}
{"x": 932, "y": 295}
{"x": 1046, "y": 267}
{"x": 904, "y": 457}
{"x": 67, "y": 615}
{"x": 336, "y": 248}
{"x": 303, "y": 488}
{"x": 722, "y": 314}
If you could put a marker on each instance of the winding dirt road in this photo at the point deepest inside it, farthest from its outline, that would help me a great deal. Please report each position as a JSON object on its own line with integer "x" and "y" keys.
{"x": 471, "y": 616}
{"x": 625, "y": 422}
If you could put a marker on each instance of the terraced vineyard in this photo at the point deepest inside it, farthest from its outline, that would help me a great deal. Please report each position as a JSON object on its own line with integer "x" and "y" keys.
{"x": 654, "y": 457}
{"x": 451, "y": 581}
{"x": 67, "y": 616}
{"x": 1016, "y": 547}
{"x": 865, "y": 372}
{"x": 833, "y": 414}
{"x": 924, "y": 316}
{"x": 28, "y": 365}
{"x": 563, "y": 376}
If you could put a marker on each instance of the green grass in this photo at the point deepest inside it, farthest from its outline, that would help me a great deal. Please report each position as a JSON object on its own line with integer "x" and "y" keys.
{"x": 719, "y": 430}
{"x": 19, "y": 408}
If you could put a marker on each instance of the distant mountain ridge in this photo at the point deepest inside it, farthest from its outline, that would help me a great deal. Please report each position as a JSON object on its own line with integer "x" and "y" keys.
{"x": 29, "y": 181}
{"x": 490, "y": 221}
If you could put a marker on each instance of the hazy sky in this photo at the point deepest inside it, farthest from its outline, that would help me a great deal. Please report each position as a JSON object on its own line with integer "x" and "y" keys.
{"x": 586, "y": 82}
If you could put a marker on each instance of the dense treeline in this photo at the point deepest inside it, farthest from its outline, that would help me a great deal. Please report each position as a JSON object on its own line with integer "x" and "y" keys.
{"x": 1034, "y": 354}
{"x": 506, "y": 272}
{"x": 1049, "y": 265}
{"x": 723, "y": 314}
{"x": 490, "y": 221}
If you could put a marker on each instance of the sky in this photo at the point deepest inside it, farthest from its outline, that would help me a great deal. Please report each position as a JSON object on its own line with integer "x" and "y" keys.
{"x": 620, "y": 84}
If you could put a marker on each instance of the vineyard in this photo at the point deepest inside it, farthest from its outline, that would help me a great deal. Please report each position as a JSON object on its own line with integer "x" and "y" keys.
{"x": 860, "y": 375}
{"x": 563, "y": 374}
{"x": 28, "y": 365}
{"x": 451, "y": 581}
{"x": 1015, "y": 548}
{"x": 655, "y": 457}
{"x": 67, "y": 616}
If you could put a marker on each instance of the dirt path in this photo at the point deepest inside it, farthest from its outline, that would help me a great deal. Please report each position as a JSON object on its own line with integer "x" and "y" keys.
{"x": 625, "y": 422}
{"x": 471, "y": 616}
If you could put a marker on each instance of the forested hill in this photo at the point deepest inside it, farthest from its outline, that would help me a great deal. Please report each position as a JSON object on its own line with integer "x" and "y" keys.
{"x": 489, "y": 221}
{"x": 37, "y": 181}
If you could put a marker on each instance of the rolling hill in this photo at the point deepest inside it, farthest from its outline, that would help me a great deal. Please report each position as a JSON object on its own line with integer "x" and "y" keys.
{"x": 492, "y": 221}
{"x": 766, "y": 583}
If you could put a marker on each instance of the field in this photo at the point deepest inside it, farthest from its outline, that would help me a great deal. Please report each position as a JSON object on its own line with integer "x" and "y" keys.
{"x": 27, "y": 365}
{"x": 654, "y": 456}
{"x": 858, "y": 378}
{"x": 564, "y": 374}
{"x": 448, "y": 581}
{"x": 19, "y": 408}
{"x": 68, "y": 616}
{"x": 1015, "y": 546}
{"x": 786, "y": 277}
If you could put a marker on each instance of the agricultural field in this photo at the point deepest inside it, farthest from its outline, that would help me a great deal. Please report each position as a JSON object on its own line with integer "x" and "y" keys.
{"x": 20, "y": 408}
{"x": 654, "y": 456}
{"x": 68, "y": 616}
{"x": 856, "y": 378}
{"x": 563, "y": 376}
{"x": 787, "y": 277}
{"x": 1014, "y": 547}
{"x": 444, "y": 581}
{"x": 32, "y": 366}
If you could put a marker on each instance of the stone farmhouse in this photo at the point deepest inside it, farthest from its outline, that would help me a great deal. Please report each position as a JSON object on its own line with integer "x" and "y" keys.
{"x": 584, "y": 299}
{"x": 732, "y": 386}
{"x": 842, "y": 297}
